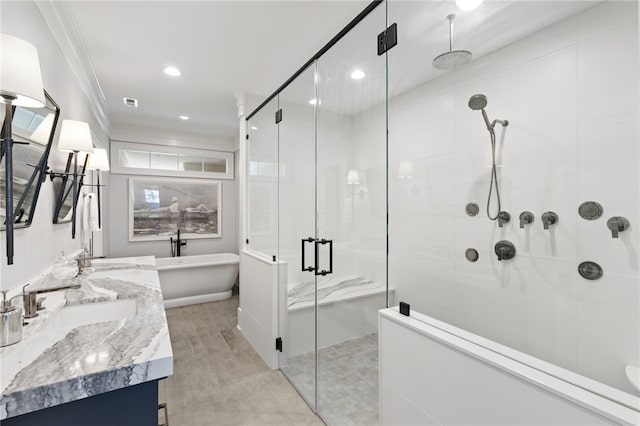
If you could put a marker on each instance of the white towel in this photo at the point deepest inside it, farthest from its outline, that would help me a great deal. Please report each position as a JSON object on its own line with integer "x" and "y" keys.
{"x": 90, "y": 214}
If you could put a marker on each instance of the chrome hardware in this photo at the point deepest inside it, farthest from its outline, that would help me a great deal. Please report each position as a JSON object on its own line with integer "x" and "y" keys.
{"x": 10, "y": 321}
{"x": 503, "y": 217}
{"x": 505, "y": 250}
{"x": 617, "y": 224}
{"x": 472, "y": 209}
{"x": 548, "y": 219}
{"x": 590, "y": 270}
{"x": 590, "y": 210}
{"x": 85, "y": 262}
{"x": 471, "y": 254}
{"x": 526, "y": 218}
{"x": 30, "y": 299}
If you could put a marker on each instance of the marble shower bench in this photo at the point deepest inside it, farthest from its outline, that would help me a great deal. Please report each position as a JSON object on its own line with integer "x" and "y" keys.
{"x": 94, "y": 355}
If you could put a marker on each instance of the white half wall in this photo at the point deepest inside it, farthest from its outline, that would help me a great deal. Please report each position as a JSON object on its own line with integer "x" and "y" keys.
{"x": 431, "y": 377}
{"x": 258, "y": 310}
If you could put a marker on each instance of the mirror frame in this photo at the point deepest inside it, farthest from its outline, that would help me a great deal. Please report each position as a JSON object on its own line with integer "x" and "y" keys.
{"x": 66, "y": 187}
{"x": 39, "y": 173}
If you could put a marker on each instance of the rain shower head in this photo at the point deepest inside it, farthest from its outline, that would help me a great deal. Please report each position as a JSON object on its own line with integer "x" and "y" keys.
{"x": 453, "y": 58}
{"x": 477, "y": 102}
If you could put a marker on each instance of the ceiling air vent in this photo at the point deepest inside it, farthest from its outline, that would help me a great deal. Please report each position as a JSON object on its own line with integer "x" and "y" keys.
{"x": 130, "y": 102}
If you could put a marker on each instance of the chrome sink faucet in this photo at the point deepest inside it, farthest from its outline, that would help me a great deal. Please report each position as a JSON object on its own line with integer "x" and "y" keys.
{"x": 85, "y": 261}
{"x": 32, "y": 304}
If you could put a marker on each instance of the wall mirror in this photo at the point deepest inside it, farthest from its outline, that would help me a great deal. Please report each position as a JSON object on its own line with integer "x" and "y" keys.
{"x": 64, "y": 189}
{"x": 33, "y": 130}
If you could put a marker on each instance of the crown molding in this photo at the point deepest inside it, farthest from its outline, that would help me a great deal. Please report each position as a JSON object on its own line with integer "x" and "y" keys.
{"x": 65, "y": 32}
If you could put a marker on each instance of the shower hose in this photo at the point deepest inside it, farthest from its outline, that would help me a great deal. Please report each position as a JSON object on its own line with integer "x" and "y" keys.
{"x": 494, "y": 178}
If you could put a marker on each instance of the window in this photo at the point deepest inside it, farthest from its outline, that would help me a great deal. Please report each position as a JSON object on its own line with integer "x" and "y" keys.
{"x": 144, "y": 159}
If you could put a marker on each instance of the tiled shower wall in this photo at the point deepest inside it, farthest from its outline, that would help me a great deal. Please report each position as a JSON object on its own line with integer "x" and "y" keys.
{"x": 570, "y": 93}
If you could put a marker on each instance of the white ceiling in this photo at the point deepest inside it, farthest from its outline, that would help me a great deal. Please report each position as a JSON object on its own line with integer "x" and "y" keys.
{"x": 227, "y": 46}
{"x": 221, "y": 47}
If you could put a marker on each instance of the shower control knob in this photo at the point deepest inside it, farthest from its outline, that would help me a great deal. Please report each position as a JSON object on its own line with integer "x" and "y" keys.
{"x": 617, "y": 224}
{"x": 505, "y": 250}
{"x": 548, "y": 219}
{"x": 503, "y": 217}
{"x": 526, "y": 218}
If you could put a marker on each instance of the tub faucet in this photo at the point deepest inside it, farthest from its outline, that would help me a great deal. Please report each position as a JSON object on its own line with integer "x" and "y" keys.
{"x": 32, "y": 305}
{"x": 176, "y": 244}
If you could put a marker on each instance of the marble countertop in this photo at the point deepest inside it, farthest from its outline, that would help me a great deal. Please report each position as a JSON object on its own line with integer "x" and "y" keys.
{"x": 110, "y": 333}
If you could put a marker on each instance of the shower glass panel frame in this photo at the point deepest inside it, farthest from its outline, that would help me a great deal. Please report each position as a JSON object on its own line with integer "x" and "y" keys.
{"x": 351, "y": 217}
{"x": 329, "y": 289}
{"x": 262, "y": 182}
{"x": 297, "y": 224}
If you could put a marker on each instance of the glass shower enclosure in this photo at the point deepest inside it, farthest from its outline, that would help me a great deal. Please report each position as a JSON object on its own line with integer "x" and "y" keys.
{"x": 369, "y": 176}
{"x": 325, "y": 187}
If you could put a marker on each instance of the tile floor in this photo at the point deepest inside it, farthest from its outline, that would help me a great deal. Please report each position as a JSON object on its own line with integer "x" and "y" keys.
{"x": 218, "y": 379}
{"x": 347, "y": 380}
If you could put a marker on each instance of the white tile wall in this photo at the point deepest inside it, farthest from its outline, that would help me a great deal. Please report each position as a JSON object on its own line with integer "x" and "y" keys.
{"x": 570, "y": 93}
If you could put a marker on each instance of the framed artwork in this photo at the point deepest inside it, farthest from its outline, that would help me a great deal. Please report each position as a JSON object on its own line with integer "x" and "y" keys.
{"x": 159, "y": 207}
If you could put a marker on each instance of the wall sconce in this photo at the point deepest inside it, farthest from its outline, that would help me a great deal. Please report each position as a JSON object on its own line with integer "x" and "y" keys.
{"x": 405, "y": 170}
{"x": 20, "y": 85}
{"x": 75, "y": 137}
{"x": 99, "y": 161}
{"x": 353, "y": 177}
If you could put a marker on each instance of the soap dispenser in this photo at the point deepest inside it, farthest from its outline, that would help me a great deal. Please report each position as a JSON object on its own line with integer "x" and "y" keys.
{"x": 10, "y": 322}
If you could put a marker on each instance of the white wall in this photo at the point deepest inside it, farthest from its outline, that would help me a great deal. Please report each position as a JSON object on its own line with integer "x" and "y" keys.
{"x": 38, "y": 246}
{"x": 118, "y": 194}
{"x": 570, "y": 93}
{"x": 119, "y": 245}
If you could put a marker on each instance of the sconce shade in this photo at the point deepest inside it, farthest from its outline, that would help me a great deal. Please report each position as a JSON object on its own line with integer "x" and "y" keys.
{"x": 75, "y": 136}
{"x": 99, "y": 160}
{"x": 405, "y": 170}
{"x": 20, "y": 75}
{"x": 353, "y": 177}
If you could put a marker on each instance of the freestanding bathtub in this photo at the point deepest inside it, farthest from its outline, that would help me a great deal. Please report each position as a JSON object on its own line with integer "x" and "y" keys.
{"x": 197, "y": 279}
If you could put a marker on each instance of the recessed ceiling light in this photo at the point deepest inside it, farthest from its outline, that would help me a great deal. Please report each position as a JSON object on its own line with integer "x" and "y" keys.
{"x": 313, "y": 101}
{"x": 357, "y": 74}
{"x": 254, "y": 128}
{"x": 184, "y": 117}
{"x": 468, "y": 4}
{"x": 172, "y": 71}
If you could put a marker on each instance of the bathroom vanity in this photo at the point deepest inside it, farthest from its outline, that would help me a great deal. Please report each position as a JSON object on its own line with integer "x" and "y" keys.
{"x": 93, "y": 355}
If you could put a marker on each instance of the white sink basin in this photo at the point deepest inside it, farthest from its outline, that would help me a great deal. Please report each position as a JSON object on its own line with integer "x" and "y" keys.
{"x": 91, "y": 313}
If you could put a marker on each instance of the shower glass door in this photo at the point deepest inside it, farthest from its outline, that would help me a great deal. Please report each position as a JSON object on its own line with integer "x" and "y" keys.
{"x": 296, "y": 239}
{"x": 351, "y": 222}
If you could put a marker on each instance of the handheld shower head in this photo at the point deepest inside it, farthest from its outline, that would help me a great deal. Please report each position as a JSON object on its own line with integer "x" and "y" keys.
{"x": 478, "y": 103}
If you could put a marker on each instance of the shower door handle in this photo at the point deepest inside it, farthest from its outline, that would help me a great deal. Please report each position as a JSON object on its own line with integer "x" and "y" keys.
{"x": 308, "y": 268}
{"x": 324, "y": 272}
